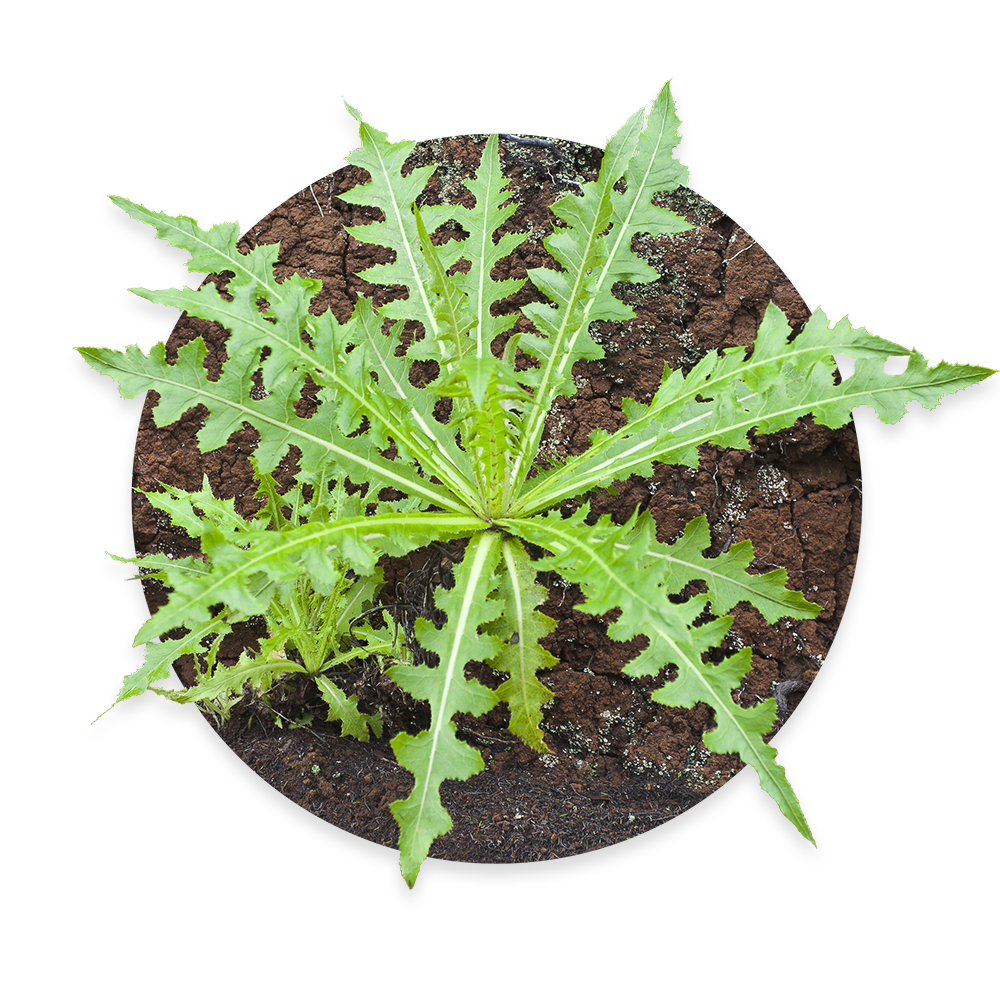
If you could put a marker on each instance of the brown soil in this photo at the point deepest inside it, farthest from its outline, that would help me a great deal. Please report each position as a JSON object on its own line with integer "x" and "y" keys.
{"x": 619, "y": 765}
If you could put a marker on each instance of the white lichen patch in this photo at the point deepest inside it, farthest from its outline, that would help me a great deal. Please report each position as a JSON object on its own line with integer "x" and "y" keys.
{"x": 772, "y": 484}
{"x": 734, "y": 639}
{"x": 556, "y": 433}
{"x": 734, "y": 510}
{"x": 692, "y": 353}
{"x": 609, "y": 718}
{"x": 576, "y": 741}
{"x": 644, "y": 767}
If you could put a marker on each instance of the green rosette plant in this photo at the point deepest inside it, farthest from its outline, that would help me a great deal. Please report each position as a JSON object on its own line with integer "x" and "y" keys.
{"x": 463, "y": 453}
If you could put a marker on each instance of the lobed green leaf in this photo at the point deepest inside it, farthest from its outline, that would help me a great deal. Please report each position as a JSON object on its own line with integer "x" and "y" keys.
{"x": 593, "y": 256}
{"x": 245, "y": 576}
{"x": 436, "y": 754}
{"x": 522, "y": 656}
{"x": 622, "y": 566}
{"x": 726, "y": 396}
{"x": 231, "y": 403}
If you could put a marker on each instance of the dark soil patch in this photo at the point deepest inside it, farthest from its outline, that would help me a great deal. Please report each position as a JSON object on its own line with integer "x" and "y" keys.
{"x": 619, "y": 764}
{"x": 499, "y": 816}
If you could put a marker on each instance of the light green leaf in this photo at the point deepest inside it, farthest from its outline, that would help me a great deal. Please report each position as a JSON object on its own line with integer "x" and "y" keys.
{"x": 437, "y": 754}
{"x": 726, "y": 396}
{"x": 593, "y": 257}
{"x": 616, "y": 567}
{"x": 398, "y": 403}
{"x": 448, "y": 303}
{"x": 213, "y": 250}
{"x": 394, "y": 194}
{"x": 725, "y": 574}
{"x": 231, "y": 403}
{"x": 489, "y": 185}
{"x": 245, "y": 576}
{"x": 522, "y": 656}
{"x": 161, "y": 656}
{"x": 182, "y": 507}
{"x": 219, "y": 687}
{"x": 345, "y": 708}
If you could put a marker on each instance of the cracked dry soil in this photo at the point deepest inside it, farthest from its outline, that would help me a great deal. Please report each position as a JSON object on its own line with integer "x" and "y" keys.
{"x": 619, "y": 765}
